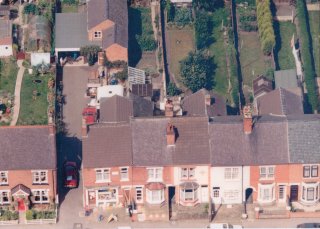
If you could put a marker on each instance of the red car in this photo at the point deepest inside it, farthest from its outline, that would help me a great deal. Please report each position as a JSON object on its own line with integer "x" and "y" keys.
{"x": 71, "y": 174}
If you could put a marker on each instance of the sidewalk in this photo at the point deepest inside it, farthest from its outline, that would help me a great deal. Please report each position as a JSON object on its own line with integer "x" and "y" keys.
{"x": 17, "y": 90}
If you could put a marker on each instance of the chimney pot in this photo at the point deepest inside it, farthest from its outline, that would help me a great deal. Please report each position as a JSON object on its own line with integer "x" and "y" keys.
{"x": 171, "y": 136}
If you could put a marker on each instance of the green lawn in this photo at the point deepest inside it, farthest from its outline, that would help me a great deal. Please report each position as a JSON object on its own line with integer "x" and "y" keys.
{"x": 65, "y": 8}
{"x": 141, "y": 36}
{"x": 218, "y": 51}
{"x": 251, "y": 57}
{"x": 180, "y": 43}
{"x": 314, "y": 20}
{"x": 33, "y": 110}
{"x": 8, "y": 76}
{"x": 283, "y": 52}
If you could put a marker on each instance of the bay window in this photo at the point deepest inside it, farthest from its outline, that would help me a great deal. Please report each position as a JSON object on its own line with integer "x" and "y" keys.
{"x": 310, "y": 192}
{"x": 107, "y": 195}
{"x": 155, "y": 196}
{"x": 266, "y": 193}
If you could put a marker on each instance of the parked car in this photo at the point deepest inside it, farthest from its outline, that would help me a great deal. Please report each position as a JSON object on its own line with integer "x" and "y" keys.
{"x": 309, "y": 225}
{"x": 223, "y": 226}
{"x": 70, "y": 174}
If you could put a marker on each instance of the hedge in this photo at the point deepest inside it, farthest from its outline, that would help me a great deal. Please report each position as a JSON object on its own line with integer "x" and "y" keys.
{"x": 306, "y": 54}
{"x": 265, "y": 25}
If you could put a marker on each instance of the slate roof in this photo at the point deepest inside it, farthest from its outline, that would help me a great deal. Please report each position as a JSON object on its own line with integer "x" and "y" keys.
{"x": 280, "y": 102}
{"x": 107, "y": 145}
{"x": 286, "y": 78}
{"x": 194, "y": 104}
{"x": 304, "y": 138}
{"x": 120, "y": 109}
{"x": 27, "y": 147}
{"x": 5, "y": 29}
{"x": 116, "y": 11}
{"x": 266, "y": 145}
{"x": 71, "y": 30}
{"x": 149, "y": 143}
{"x": 115, "y": 109}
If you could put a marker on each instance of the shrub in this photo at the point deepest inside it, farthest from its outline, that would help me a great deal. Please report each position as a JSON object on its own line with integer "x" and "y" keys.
{"x": 203, "y": 29}
{"x": 70, "y": 2}
{"x": 31, "y": 9}
{"x": 265, "y": 25}
{"x": 197, "y": 70}
{"x": 146, "y": 42}
{"x": 172, "y": 89}
{"x": 183, "y": 16}
{"x": 306, "y": 54}
{"x": 6, "y": 215}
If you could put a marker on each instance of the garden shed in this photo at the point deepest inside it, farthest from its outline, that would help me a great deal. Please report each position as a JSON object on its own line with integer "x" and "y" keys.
{"x": 38, "y": 36}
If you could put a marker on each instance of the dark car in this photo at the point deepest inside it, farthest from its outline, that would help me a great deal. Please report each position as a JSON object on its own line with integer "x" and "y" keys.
{"x": 309, "y": 225}
{"x": 71, "y": 175}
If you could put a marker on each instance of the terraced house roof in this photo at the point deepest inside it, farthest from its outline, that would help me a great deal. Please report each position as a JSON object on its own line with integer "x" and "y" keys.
{"x": 27, "y": 147}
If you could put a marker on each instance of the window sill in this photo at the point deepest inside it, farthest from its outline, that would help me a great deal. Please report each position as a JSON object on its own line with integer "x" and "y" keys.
{"x": 7, "y": 184}
{"x": 123, "y": 180}
{"x": 154, "y": 180}
{"x": 155, "y": 202}
{"x": 40, "y": 183}
{"x": 102, "y": 181}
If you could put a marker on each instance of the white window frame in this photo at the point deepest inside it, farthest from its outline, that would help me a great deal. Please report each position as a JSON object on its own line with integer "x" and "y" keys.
{"x": 37, "y": 174}
{"x": 284, "y": 192}
{"x": 97, "y": 34}
{"x": 105, "y": 175}
{"x": 1, "y": 196}
{"x": 124, "y": 173}
{"x": 216, "y": 192}
{"x": 268, "y": 174}
{"x": 311, "y": 168}
{"x": 139, "y": 200}
{"x": 187, "y": 173}
{"x": 194, "y": 192}
{"x": 4, "y": 175}
{"x": 231, "y": 173}
{"x": 41, "y": 195}
{"x": 155, "y": 174}
{"x": 107, "y": 193}
{"x": 304, "y": 193}
{"x": 155, "y": 193}
{"x": 261, "y": 192}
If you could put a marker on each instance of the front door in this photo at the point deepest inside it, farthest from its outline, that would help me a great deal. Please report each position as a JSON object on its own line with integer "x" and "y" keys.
{"x": 21, "y": 205}
{"x": 204, "y": 194}
{"x": 294, "y": 192}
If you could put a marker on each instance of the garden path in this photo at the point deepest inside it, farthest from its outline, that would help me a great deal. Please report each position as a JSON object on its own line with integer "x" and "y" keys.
{"x": 17, "y": 90}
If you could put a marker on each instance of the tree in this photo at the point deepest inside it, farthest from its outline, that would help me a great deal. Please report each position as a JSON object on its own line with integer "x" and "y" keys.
{"x": 183, "y": 17}
{"x": 31, "y": 9}
{"x": 91, "y": 52}
{"x": 208, "y": 5}
{"x": 170, "y": 11}
{"x": 203, "y": 29}
{"x": 197, "y": 71}
{"x": 172, "y": 89}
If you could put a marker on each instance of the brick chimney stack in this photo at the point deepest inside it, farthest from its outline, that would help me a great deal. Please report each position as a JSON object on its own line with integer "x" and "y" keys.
{"x": 207, "y": 99}
{"x": 168, "y": 109}
{"x": 84, "y": 129}
{"x": 171, "y": 135}
{"x": 52, "y": 129}
{"x": 247, "y": 119}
